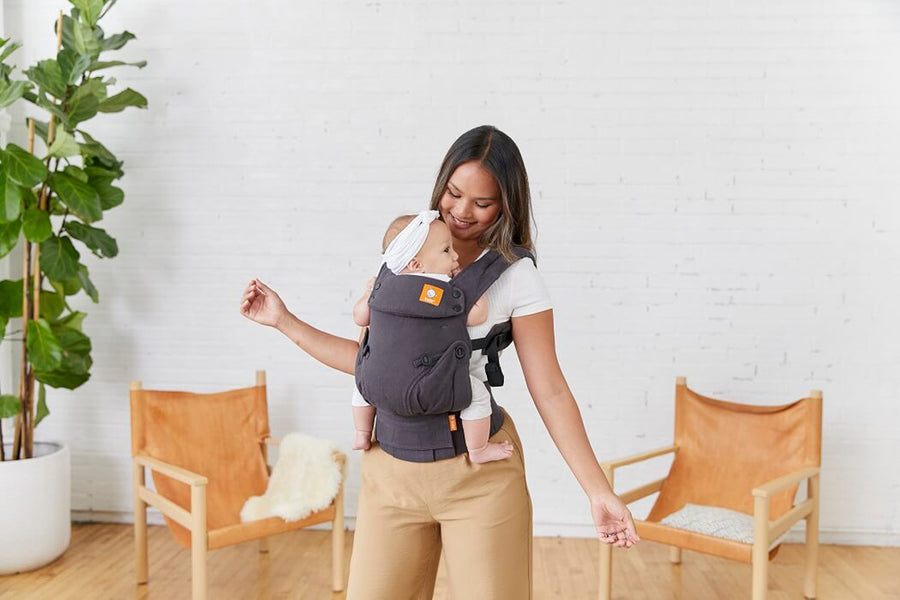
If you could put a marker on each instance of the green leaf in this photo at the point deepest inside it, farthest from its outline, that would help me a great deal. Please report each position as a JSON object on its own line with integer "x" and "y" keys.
{"x": 40, "y": 128}
{"x": 72, "y": 65}
{"x": 10, "y": 198}
{"x": 94, "y": 86}
{"x": 87, "y": 284}
{"x": 76, "y": 172}
{"x": 84, "y": 39}
{"x": 23, "y": 167}
{"x": 94, "y": 238}
{"x": 90, "y": 10}
{"x": 44, "y": 349}
{"x": 12, "y": 91}
{"x": 8, "y": 49}
{"x": 36, "y": 225}
{"x": 64, "y": 145}
{"x": 72, "y": 320}
{"x": 114, "y": 42}
{"x": 97, "y": 66}
{"x": 48, "y": 76}
{"x": 122, "y": 100}
{"x": 73, "y": 341}
{"x": 100, "y": 174}
{"x": 41, "y": 405}
{"x": 81, "y": 198}
{"x": 85, "y": 101}
{"x": 110, "y": 195}
{"x": 61, "y": 379}
{"x": 54, "y": 109}
{"x": 9, "y": 406}
{"x": 52, "y": 304}
{"x": 59, "y": 258}
{"x": 93, "y": 148}
{"x": 11, "y": 298}
{"x": 9, "y": 236}
{"x": 3, "y": 322}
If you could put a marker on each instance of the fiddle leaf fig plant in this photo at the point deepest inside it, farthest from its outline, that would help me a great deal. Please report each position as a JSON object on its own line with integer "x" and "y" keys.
{"x": 52, "y": 204}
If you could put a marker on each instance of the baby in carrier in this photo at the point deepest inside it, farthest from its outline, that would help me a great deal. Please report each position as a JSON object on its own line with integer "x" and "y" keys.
{"x": 421, "y": 245}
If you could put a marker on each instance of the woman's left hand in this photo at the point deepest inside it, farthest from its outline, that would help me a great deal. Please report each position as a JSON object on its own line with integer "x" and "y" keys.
{"x": 613, "y": 521}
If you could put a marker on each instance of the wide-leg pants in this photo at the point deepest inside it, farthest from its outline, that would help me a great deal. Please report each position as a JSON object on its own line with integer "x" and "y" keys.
{"x": 479, "y": 514}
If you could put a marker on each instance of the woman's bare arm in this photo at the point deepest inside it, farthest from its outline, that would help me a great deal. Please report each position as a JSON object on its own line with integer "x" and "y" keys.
{"x": 336, "y": 352}
{"x": 535, "y": 345}
{"x": 536, "y": 348}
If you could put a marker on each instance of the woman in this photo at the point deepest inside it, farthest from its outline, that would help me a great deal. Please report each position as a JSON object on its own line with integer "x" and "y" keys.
{"x": 479, "y": 514}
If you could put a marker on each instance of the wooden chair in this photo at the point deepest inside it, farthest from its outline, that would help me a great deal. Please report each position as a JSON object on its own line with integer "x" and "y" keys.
{"x": 749, "y": 459}
{"x": 208, "y": 455}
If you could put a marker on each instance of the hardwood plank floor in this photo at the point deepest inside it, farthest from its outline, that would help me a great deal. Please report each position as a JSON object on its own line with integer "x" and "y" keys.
{"x": 99, "y": 565}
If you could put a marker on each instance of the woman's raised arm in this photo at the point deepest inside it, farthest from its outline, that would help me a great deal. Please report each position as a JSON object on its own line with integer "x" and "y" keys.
{"x": 261, "y": 304}
{"x": 536, "y": 347}
{"x": 334, "y": 351}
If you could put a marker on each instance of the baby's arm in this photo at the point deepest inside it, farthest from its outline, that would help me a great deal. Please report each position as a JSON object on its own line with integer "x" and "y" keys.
{"x": 478, "y": 314}
{"x": 361, "y": 309}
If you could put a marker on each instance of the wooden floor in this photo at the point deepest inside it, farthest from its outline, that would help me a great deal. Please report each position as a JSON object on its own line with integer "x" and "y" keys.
{"x": 99, "y": 564}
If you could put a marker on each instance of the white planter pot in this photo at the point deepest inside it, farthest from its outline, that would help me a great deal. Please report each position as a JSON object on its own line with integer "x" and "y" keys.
{"x": 35, "y": 500}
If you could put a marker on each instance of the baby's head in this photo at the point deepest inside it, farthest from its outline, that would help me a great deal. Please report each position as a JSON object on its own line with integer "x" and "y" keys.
{"x": 434, "y": 254}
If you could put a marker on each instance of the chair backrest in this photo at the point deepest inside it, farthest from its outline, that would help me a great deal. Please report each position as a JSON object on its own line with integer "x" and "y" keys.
{"x": 726, "y": 449}
{"x": 216, "y": 435}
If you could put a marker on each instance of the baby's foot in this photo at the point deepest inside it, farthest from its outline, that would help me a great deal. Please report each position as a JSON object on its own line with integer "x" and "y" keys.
{"x": 363, "y": 440}
{"x": 490, "y": 452}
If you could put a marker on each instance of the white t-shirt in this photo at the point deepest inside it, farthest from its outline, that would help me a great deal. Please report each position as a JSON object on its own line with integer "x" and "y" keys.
{"x": 519, "y": 291}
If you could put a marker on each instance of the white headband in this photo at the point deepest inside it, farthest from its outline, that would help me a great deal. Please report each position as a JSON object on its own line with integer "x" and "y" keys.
{"x": 409, "y": 241}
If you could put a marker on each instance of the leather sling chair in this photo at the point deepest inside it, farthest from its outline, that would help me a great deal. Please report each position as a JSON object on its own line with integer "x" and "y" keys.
{"x": 746, "y": 460}
{"x": 208, "y": 455}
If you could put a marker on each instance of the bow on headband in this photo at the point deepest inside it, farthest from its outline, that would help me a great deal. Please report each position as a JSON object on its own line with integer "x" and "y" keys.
{"x": 409, "y": 241}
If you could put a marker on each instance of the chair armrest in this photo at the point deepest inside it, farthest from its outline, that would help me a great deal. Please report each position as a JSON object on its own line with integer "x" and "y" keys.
{"x": 770, "y": 488}
{"x": 177, "y": 473}
{"x": 271, "y": 441}
{"x": 613, "y": 464}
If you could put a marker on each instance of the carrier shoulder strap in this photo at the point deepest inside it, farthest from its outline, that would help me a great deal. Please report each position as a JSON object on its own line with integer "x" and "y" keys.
{"x": 476, "y": 278}
{"x": 475, "y": 282}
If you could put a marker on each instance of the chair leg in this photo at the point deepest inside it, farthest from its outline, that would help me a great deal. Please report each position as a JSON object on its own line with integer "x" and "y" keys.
{"x": 760, "y": 551}
{"x": 140, "y": 526}
{"x": 605, "y": 571}
{"x": 337, "y": 542}
{"x": 812, "y": 538}
{"x": 675, "y": 555}
{"x": 198, "y": 542}
{"x": 263, "y": 545}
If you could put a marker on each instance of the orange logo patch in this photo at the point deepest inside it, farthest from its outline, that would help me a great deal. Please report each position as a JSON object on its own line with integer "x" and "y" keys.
{"x": 431, "y": 294}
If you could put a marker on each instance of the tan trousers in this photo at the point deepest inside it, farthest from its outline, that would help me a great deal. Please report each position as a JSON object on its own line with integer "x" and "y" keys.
{"x": 479, "y": 514}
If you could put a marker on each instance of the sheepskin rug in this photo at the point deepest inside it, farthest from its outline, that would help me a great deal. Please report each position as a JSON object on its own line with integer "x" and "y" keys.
{"x": 305, "y": 479}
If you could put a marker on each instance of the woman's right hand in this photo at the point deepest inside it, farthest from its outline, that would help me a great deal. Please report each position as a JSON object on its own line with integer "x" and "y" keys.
{"x": 260, "y": 303}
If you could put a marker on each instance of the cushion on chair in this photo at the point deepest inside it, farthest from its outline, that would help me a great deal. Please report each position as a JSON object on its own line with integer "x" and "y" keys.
{"x": 716, "y": 521}
{"x": 306, "y": 478}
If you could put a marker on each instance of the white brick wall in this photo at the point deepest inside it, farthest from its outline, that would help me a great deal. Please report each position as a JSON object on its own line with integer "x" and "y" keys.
{"x": 714, "y": 186}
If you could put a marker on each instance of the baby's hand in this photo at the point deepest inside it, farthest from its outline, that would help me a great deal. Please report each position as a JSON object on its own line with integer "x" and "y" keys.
{"x": 370, "y": 285}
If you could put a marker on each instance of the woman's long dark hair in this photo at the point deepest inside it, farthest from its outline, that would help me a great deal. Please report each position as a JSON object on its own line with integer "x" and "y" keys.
{"x": 500, "y": 156}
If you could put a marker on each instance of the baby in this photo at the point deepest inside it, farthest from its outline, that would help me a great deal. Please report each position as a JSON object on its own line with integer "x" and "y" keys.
{"x": 433, "y": 257}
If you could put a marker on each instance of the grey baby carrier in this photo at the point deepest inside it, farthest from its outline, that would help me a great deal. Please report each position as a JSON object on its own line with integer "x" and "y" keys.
{"x": 413, "y": 362}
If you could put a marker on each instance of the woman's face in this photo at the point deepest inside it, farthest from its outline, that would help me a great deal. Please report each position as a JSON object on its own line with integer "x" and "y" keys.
{"x": 471, "y": 201}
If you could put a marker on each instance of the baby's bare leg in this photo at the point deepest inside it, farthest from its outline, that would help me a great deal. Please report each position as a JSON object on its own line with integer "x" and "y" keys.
{"x": 480, "y": 449}
{"x": 363, "y": 418}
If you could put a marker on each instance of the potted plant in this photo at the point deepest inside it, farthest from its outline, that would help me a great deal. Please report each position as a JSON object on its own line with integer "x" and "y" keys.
{"x": 51, "y": 203}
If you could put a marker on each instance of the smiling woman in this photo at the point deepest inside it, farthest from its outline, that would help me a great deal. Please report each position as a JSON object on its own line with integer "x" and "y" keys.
{"x": 422, "y": 494}
{"x": 482, "y": 194}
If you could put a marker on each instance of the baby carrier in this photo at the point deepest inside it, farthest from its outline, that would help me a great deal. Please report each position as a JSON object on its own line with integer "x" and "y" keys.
{"x": 413, "y": 362}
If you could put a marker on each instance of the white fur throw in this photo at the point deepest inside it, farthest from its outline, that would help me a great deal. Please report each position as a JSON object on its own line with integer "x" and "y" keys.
{"x": 305, "y": 479}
